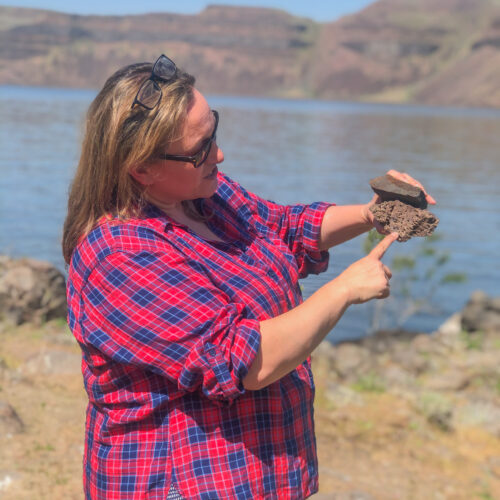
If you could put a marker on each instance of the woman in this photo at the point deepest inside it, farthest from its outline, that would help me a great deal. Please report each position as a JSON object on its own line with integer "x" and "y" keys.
{"x": 183, "y": 295}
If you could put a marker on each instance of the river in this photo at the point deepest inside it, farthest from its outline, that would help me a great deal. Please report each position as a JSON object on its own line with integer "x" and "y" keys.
{"x": 290, "y": 151}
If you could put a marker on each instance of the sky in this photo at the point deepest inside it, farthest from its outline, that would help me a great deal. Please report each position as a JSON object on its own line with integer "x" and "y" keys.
{"x": 319, "y": 10}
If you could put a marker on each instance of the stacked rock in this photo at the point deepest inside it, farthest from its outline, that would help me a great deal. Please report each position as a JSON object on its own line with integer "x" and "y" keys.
{"x": 402, "y": 208}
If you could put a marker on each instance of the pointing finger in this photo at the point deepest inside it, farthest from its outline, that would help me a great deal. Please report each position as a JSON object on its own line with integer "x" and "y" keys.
{"x": 379, "y": 251}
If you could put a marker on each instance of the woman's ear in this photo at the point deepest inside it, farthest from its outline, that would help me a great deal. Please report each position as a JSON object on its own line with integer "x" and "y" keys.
{"x": 142, "y": 174}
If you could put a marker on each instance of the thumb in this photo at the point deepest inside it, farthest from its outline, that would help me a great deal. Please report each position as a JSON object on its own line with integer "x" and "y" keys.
{"x": 379, "y": 251}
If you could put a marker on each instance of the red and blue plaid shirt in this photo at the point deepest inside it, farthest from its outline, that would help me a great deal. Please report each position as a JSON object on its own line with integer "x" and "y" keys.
{"x": 168, "y": 324}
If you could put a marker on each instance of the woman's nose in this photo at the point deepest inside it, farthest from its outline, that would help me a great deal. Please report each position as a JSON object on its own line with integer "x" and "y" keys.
{"x": 219, "y": 154}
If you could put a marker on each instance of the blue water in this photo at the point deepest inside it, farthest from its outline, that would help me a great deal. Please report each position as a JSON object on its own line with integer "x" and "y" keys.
{"x": 291, "y": 152}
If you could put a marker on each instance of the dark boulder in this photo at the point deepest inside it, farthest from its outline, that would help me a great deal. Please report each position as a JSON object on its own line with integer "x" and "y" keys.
{"x": 30, "y": 291}
{"x": 481, "y": 313}
{"x": 10, "y": 422}
{"x": 389, "y": 189}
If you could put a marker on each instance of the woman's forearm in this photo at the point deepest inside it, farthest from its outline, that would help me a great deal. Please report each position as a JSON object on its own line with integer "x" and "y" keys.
{"x": 287, "y": 340}
{"x": 342, "y": 223}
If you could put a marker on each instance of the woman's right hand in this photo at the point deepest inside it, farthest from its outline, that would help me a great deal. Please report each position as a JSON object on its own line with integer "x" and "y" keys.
{"x": 288, "y": 339}
{"x": 368, "y": 278}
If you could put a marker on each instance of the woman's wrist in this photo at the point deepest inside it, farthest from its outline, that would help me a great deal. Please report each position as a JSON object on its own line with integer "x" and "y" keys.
{"x": 366, "y": 215}
{"x": 344, "y": 222}
{"x": 341, "y": 292}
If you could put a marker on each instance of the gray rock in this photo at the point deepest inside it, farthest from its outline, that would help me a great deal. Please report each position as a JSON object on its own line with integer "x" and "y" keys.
{"x": 437, "y": 408}
{"x": 394, "y": 375}
{"x": 325, "y": 350}
{"x": 352, "y": 495}
{"x": 452, "y": 326}
{"x": 442, "y": 420}
{"x": 481, "y": 313}
{"x": 341, "y": 395}
{"x": 384, "y": 341}
{"x": 30, "y": 290}
{"x": 428, "y": 344}
{"x": 449, "y": 334}
{"x": 494, "y": 304}
{"x": 488, "y": 322}
{"x": 389, "y": 188}
{"x": 478, "y": 297}
{"x": 53, "y": 362}
{"x": 350, "y": 359}
{"x": 451, "y": 380}
{"x": 412, "y": 361}
{"x": 10, "y": 422}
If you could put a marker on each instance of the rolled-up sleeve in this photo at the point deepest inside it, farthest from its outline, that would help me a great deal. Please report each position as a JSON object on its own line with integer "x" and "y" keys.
{"x": 299, "y": 226}
{"x": 162, "y": 312}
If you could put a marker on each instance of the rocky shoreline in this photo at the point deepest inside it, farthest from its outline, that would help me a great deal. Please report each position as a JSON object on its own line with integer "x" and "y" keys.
{"x": 423, "y": 409}
{"x": 398, "y": 415}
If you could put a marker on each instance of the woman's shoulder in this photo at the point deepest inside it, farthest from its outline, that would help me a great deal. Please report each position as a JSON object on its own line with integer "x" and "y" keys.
{"x": 129, "y": 233}
{"x": 111, "y": 235}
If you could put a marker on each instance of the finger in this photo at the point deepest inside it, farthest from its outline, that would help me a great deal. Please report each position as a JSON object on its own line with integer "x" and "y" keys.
{"x": 410, "y": 180}
{"x": 394, "y": 173}
{"x": 430, "y": 199}
{"x": 387, "y": 272}
{"x": 402, "y": 176}
{"x": 379, "y": 251}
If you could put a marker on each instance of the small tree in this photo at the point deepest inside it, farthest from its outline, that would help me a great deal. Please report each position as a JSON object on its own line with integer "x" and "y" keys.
{"x": 409, "y": 296}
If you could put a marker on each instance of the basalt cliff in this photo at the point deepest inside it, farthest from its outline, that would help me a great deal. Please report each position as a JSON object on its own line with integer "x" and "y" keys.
{"x": 444, "y": 53}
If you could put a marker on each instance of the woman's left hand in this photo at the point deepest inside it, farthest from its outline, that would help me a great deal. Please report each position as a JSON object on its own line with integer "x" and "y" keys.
{"x": 368, "y": 215}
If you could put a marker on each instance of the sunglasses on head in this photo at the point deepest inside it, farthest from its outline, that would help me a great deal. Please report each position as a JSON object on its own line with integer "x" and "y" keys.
{"x": 149, "y": 94}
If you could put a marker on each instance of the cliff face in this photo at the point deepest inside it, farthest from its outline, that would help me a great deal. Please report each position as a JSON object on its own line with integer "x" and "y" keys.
{"x": 229, "y": 50}
{"x": 445, "y": 52}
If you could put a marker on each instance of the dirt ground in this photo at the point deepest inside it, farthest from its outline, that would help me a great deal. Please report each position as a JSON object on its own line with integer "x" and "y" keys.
{"x": 374, "y": 448}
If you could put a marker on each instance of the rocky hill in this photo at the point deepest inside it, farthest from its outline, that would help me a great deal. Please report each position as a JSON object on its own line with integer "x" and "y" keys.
{"x": 422, "y": 51}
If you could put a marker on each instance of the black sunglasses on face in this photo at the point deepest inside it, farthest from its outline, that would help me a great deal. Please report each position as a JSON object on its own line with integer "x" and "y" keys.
{"x": 200, "y": 157}
{"x": 149, "y": 94}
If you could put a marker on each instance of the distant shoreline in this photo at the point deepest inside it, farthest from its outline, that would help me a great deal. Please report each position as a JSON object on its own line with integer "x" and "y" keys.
{"x": 277, "y": 102}
{"x": 389, "y": 52}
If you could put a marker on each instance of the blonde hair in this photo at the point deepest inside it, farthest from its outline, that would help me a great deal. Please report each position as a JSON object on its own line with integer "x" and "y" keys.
{"x": 117, "y": 139}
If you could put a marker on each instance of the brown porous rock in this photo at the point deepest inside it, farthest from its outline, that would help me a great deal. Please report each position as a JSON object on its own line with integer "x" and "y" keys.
{"x": 402, "y": 208}
{"x": 407, "y": 221}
